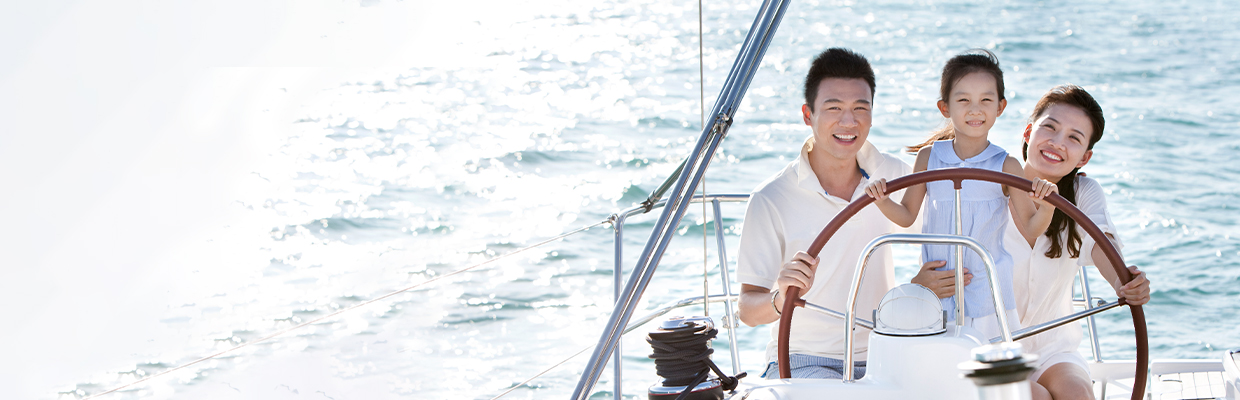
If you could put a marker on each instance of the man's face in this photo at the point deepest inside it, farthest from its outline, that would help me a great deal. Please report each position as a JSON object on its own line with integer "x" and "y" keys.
{"x": 840, "y": 116}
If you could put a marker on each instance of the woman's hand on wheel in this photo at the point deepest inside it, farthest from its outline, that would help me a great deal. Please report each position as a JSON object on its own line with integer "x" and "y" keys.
{"x": 1136, "y": 291}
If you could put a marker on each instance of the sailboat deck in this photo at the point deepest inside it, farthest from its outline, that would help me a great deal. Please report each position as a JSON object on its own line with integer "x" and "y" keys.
{"x": 1189, "y": 385}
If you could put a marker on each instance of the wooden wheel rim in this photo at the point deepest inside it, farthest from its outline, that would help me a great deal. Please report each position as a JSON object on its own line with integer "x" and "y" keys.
{"x": 958, "y": 175}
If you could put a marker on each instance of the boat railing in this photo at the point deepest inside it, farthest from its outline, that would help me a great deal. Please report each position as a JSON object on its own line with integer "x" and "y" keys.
{"x": 728, "y": 298}
{"x": 714, "y": 128}
{"x": 1087, "y": 301}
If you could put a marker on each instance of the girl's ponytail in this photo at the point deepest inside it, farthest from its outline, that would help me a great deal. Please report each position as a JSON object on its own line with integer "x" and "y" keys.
{"x": 944, "y": 133}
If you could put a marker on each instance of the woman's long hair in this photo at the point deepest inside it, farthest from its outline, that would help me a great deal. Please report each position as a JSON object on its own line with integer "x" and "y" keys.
{"x": 1070, "y": 95}
{"x": 976, "y": 60}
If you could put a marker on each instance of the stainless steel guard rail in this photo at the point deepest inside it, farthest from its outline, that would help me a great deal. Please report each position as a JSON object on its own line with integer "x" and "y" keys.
{"x": 726, "y": 105}
{"x": 618, "y": 221}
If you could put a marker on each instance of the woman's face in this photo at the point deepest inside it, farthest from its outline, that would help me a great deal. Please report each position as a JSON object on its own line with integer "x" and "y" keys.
{"x": 1058, "y": 142}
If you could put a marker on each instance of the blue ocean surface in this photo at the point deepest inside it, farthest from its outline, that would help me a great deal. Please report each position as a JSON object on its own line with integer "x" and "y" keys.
{"x": 390, "y": 177}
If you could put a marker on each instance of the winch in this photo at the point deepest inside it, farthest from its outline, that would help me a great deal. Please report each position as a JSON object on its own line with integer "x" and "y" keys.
{"x": 1000, "y": 371}
{"x": 682, "y": 358}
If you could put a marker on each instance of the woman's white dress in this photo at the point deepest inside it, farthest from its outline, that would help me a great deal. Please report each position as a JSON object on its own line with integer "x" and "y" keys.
{"x": 1043, "y": 286}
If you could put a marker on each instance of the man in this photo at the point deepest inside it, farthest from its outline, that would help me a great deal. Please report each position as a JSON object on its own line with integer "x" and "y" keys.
{"x": 787, "y": 212}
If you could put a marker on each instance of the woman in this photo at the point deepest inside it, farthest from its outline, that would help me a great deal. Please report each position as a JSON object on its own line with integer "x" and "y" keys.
{"x": 1059, "y": 140}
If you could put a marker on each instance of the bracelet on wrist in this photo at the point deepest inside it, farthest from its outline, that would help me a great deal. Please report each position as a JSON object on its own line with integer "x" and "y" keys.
{"x": 775, "y": 295}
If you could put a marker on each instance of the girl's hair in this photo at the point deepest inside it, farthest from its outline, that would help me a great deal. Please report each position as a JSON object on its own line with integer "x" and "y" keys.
{"x": 976, "y": 60}
{"x": 1075, "y": 96}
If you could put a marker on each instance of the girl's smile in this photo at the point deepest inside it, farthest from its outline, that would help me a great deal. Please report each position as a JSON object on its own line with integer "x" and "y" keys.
{"x": 973, "y": 105}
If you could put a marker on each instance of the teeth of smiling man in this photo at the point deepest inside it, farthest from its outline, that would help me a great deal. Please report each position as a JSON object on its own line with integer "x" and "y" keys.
{"x": 845, "y": 137}
{"x": 1052, "y": 156}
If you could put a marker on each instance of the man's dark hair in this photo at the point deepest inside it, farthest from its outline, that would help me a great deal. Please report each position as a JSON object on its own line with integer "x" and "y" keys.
{"x": 836, "y": 62}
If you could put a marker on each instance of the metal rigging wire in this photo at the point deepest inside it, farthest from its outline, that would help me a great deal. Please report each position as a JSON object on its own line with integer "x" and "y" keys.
{"x": 702, "y": 93}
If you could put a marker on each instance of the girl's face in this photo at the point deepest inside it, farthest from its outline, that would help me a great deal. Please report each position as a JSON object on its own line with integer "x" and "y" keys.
{"x": 1058, "y": 142}
{"x": 973, "y": 105}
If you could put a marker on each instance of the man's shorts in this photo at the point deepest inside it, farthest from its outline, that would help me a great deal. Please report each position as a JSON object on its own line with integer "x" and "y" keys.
{"x": 815, "y": 367}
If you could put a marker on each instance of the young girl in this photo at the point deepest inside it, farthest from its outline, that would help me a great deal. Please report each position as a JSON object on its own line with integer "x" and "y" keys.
{"x": 972, "y": 98}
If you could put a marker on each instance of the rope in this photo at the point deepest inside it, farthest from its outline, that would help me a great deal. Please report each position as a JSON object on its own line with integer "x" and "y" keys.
{"x": 682, "y": 358}
{"x": 354, "y": 307}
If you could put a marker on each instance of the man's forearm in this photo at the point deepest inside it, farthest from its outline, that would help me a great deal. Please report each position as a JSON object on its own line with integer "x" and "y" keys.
{"x": 755, "y": 306}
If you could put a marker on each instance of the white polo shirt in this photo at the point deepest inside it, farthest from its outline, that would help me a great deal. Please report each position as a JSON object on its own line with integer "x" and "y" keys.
{"x": 784, "y": 215}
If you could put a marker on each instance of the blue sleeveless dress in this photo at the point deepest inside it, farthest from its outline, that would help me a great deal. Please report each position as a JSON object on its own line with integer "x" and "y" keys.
{"x": 985, "y": 211}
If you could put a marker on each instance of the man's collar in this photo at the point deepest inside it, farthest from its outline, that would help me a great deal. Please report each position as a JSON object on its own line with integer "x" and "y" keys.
{"x": 869, "y": 159}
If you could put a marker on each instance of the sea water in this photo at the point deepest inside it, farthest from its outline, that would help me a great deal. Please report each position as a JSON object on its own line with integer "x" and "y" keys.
{"x": 528, "y": 125}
